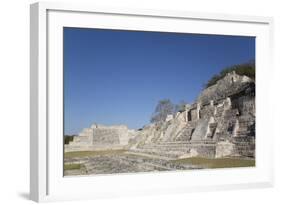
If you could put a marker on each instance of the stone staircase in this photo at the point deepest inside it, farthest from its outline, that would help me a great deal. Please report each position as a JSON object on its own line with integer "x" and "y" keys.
{"x": 246, "y": 127}
{"x": 174, "y": 150}
{"x": 244, "y": 146}
{"x": 200, "y": 130}
{"x": 219, "y": 112}
{"x": 185, "y": 134}
{"x": 166, "y": 150}
{"x": 212, "y": 127}
{"x": 226, "y": 124}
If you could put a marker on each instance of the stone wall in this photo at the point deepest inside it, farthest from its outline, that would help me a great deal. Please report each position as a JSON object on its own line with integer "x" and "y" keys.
{"x": 207, "y": 111}
{"x": 105, "y": 136}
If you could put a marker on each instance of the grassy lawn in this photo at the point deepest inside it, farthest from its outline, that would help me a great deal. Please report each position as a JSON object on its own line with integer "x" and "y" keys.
{"x": 74, "y": 169}
{"x": 72, "y": 166}
{"x": 92, "y": 153}
{"x": 217, "y": 163}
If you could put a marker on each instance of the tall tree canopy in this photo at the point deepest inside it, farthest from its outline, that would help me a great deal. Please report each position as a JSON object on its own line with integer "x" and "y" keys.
{"x": 164, "y": 107}
{"x": 181, "y": 106}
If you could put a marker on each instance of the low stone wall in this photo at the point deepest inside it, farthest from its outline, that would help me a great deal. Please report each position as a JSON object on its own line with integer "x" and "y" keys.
{"x": 180, "y": 149}
{"x": 76, "y": 148}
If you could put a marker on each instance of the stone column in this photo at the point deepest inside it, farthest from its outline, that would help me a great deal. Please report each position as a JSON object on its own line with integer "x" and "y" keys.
{"x": 236, "y": 128}
{"x": 198, "y": 110}
{"x": 227, "y": 104}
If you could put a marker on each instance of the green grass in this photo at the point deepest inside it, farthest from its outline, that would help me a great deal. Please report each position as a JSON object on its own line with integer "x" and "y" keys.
{"x": 72, "y": 166}
{"x": 92, "y": 153}
{"x": 217, "y": 163}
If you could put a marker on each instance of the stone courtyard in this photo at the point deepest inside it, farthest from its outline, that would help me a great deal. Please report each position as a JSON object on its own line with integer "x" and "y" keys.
{"x": 123, "y": 163}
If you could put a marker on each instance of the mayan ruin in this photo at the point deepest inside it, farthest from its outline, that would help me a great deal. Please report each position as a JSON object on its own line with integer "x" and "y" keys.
{"x": 219, "y": 125}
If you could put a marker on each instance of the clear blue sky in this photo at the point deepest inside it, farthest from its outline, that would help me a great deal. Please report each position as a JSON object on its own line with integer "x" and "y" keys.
{"x": 117, "y": 77}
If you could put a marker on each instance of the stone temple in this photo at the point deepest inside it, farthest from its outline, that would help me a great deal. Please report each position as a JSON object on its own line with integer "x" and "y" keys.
{"x": 220, "y": 123}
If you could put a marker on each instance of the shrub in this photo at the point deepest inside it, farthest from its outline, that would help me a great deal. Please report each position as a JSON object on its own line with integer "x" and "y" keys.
{"x": 247, "y": 69}
{"x": 68, "y": 138}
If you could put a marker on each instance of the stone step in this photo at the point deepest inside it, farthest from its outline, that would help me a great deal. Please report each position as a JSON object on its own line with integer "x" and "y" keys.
{"x": 167, "y": 155}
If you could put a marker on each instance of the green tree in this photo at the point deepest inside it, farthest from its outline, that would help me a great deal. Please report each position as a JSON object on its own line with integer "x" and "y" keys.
{"x": 68, "y": 138}
{"x": 164, "y": 107}
{"x": 180, "y": 107}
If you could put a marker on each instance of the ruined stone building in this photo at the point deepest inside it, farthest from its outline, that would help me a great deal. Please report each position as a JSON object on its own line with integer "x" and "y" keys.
{"x": 220, "y": 123}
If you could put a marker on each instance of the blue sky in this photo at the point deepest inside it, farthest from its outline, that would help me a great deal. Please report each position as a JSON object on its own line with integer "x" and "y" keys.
{"x": 117, "y": 77}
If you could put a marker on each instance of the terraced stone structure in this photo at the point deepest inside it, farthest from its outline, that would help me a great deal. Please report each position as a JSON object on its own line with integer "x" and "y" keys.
{"x": 219, "y": 124}
{"x": 100, "y": 137}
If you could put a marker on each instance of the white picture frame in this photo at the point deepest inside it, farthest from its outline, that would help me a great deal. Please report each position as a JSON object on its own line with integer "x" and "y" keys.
{"x": 46, "y": 157}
